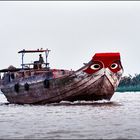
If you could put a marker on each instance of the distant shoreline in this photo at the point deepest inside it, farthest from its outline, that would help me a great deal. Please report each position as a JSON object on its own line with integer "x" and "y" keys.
{"x": 129, "y": 84}
{"x": 128, "y": 89}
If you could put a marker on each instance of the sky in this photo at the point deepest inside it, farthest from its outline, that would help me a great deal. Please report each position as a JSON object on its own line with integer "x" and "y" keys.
{"x": 73, "y": 30}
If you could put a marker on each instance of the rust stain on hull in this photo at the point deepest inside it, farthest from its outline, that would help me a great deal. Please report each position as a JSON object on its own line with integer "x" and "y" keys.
{"x": 87, "y": 88}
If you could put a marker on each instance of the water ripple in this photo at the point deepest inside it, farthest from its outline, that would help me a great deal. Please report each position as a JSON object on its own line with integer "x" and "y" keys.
{"x": 115, "y": 119}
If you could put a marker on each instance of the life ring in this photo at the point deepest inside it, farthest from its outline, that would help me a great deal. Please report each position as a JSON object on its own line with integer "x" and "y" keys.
{"x": 16, "y": 87}
{"x": 26, "y": 86}
{"x": 46, "y": 83}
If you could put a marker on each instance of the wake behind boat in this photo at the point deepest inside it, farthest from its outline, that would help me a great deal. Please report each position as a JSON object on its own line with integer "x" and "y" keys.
{"x": 37, "y": 83}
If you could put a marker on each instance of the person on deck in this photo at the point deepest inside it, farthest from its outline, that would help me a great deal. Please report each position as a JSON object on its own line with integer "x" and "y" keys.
{"x": 41, "y": 60}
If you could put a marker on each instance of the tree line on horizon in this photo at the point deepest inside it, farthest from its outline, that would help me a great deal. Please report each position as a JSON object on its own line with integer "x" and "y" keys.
{"x": 129, "y": 83}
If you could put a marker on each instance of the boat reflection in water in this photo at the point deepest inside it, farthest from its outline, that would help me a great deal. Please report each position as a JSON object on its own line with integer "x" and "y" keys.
{"x": 37, "y": 83}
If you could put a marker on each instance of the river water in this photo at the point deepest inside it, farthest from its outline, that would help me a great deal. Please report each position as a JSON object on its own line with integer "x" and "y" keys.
{"x": 115, "y": 119}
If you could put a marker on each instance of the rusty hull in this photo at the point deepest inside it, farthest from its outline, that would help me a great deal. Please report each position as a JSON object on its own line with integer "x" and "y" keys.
{"x": 76, "y": 86}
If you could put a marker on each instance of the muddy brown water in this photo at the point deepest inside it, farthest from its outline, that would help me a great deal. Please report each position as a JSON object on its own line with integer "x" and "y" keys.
{"x": 115, "y": 119}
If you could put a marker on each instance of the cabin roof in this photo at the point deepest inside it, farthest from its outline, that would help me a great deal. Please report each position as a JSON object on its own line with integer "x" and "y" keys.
{"x": 33, "y": 51}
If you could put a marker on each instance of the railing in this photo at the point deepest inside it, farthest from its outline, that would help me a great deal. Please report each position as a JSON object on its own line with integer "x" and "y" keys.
{"x": 36, "y": 63}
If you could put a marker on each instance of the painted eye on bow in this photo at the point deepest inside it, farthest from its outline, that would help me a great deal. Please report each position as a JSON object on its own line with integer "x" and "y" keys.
{"x": 95, "y": 66}
{"x": 114, "y": 66}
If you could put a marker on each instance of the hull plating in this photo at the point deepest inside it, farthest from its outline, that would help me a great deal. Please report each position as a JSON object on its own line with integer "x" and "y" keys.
{"x": 78, "y": 86}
